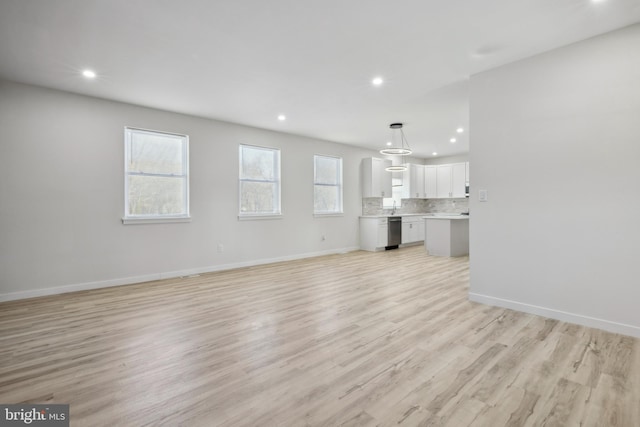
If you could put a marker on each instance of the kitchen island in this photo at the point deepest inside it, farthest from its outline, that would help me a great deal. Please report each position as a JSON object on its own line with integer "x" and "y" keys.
{"x": 446, "y": 234}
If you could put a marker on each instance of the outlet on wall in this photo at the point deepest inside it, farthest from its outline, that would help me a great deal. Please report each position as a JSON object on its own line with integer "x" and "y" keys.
{"x": 220, "y": 247}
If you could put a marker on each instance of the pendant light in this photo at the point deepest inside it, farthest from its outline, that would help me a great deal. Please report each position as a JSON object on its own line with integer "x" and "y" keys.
{"x": 399, "y": 147}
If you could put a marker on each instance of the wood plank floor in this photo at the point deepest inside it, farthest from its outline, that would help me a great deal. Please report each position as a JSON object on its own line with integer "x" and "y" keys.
{"x": 371, "y": 339}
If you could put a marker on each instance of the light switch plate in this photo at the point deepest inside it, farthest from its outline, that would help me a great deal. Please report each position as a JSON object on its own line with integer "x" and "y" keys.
{"x": 483, "y": 195}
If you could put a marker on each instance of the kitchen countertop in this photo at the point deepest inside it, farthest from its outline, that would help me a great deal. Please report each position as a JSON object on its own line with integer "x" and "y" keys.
{"x": 442, "y": 215}
{"x": 454, "y": 216}
{"x": 387, "y": 216}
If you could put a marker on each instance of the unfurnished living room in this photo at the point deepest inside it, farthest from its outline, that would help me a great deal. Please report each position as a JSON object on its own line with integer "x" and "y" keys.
{"x": 305, "y": 213}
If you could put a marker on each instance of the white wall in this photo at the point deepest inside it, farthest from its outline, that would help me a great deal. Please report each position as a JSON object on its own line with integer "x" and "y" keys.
{"x": 555, "y": 139}
{"x": 61, "y": 193}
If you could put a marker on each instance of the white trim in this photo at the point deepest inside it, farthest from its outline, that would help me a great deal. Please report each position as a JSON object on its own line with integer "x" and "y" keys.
{"x": 154, "y": 131}
{"x": 591, "y": 322}
{"x": 330, "y": 214}
{"x": 339, "y": 185}
{"x": 277, "y": 179}
{"x": 155, "y": 220}
{"x": 12, "y": 296}
{"x": 249, "y": 217}
{"x": 136, "y": 219}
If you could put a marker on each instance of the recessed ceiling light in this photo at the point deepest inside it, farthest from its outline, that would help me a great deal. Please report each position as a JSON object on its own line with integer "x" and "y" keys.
{"x": 389, "y": 144}
{"x": 282, "y": 117}
{"x": 460, "y": 130}
{"x": 377, "y": 81}
{"x": 434, "y": 153}
{"x": 90, "y": 74}
{"x": 452, "y": 140}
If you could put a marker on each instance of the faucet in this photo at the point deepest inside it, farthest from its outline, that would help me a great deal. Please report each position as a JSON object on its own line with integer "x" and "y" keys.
{"x": 393, "y": 211}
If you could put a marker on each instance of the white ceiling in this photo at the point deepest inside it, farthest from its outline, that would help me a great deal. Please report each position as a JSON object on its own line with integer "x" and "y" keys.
{"x": 246, "y": 61}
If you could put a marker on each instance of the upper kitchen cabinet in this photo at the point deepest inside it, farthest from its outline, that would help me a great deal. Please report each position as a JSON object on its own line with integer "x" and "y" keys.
{"x": 430, "y": 182}
{"x": 443, "y": 181}
{"x": 413, "y": 182}
{"x": 458, "y": 180}
{"x": 466, "y": 174}
{"x": 376, "y": 181}
{"x": 451, "y": 180}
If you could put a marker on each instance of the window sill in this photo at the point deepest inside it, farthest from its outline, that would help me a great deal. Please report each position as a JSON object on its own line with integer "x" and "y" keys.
{"x": 157, "y": 220}
{"x": 327, "y": 215}
{"x": 259, "y": 217}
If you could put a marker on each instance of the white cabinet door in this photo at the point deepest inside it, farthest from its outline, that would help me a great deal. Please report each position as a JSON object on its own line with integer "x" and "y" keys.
{"x": 443, "y": 181}
{"x": 376, "y": 181}
{"x": 446, "y": 181}
{"x": 383, "y": 177}
{"x": 382, "y": 234}
{"x": 413, "y": 182}
{"x": 373, "y": 234}
{"x": 430, "y": 182}
{"x": 406, "y": 232}
{"x": 412, "y": 229}
{"x": 466, "y": 172}
{"x": 417, "y": 182}
{"x": 458, "y": 180}
{"x": 414, "y": 232}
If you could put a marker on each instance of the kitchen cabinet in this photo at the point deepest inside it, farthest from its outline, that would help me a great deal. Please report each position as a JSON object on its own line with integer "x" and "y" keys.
{"x": 376, "y": 181}
{"x": 458, "y": 180}
{"x": 430, "y": 182}
{"x": 443, "y": 181}
{"x": 451, "y": 180}
{"x": 447, "y": 235}
{"x": 413, "y": 182}
{"x": 466, "y": 172}
{"x": 373, "y": 233}
{"x": 412, "y": 229}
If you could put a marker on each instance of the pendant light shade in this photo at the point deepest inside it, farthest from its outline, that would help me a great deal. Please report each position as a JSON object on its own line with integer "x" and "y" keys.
{"x": 397, "y": 168}
{"x": 398, "y": 147}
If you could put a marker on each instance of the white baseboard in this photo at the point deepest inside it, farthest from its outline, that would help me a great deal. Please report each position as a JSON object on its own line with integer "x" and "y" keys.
{"x": 579, "y": 319}
{"x": 12, "y": 296}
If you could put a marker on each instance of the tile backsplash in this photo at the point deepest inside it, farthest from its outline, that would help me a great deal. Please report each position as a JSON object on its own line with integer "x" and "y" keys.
{"x": 373, "y": 206}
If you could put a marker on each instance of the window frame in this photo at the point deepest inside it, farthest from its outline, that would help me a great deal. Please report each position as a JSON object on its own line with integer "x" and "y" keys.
{"x": 396, "y": 195}
{"x": 277, "y": 181}
{"x": 339, "y": 185}
{"x": 155, "y": 218}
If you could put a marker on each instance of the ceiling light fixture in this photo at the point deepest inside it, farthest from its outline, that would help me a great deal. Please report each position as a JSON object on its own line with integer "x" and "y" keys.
{"x": 460, "y": 130}
{"x": 434, "y": 153}
{"x": 90, "y": 74}
{"x": 399, "y": 146}
{"x": 377, "y": 81}
{"x": 452, "y": 140}
{"x": 282, "y": 117}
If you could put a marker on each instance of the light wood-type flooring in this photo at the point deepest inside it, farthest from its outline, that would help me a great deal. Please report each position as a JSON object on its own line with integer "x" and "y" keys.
{"x": 371, "y": 339}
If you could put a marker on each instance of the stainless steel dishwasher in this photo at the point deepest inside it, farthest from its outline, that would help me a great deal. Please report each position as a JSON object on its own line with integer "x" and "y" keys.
{"x": 394, "y": 235}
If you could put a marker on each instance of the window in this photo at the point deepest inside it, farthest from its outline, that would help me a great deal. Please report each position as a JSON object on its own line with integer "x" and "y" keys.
{"x": 395, "y": 201}
{"x": 156, "y": 176}
{"x": 259, "y": 181}
{"x": 327, "y": 182}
